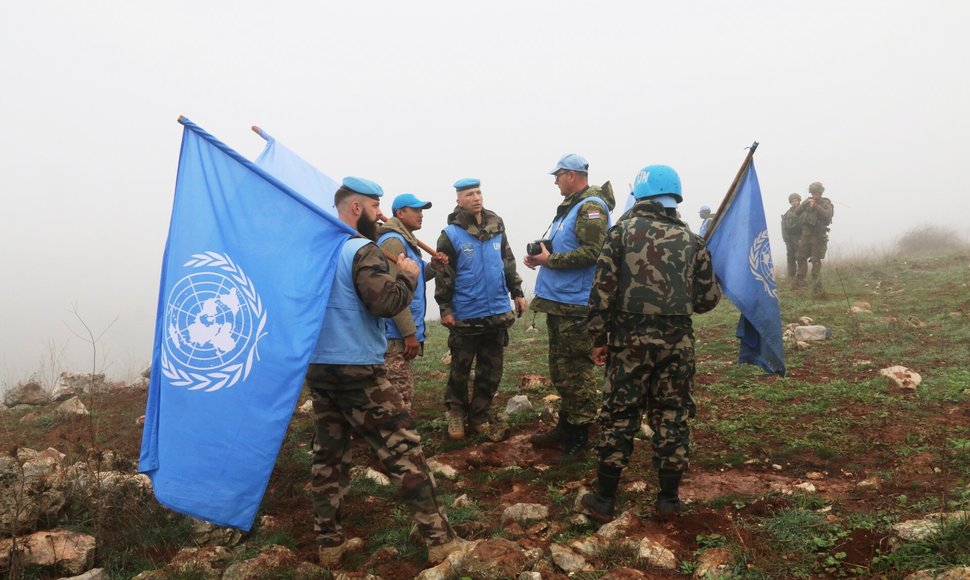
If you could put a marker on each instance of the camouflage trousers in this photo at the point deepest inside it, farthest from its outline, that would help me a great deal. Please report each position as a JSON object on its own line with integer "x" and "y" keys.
{"x": 355, "y": 398}
{"x": 399, "y": 372}
{"x": 571, "y": 368}
{"x": 486, "y": 351}
{"x": 792, "y": 250}
{"x": 656, "y": 378}
{"x": 813, "y": 244}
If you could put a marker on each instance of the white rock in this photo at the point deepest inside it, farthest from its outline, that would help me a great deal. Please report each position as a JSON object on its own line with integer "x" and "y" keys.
{"x": 443, "y": 469}
{"x": 636, "y": 487}
{"x": 901, "y": 377}
{"x": 71, "y": 551}
{"x": 93, "y": 574}
{"x": 462, "y": 501}
{"x": 870, "y": 484}
{"x": 656, "y": 554}
{"x": 619, "y": 527}
{"x": 957, "y": 573}
{"x": 568, "y": 560}
{"x": 525, "y": 514}
{"x": 517, "y": 404}
{"x": 713, "y": 563}
{"x": 530, "y": 576}
{"x": 72, "y": 407}
{"x": 806, "y": 486}
{"x": 371, "y": 474}
{"x": 916, "y": 530}
{"x": 306, "y": 408}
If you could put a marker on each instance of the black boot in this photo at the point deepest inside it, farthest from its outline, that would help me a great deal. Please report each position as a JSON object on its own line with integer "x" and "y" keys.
{"x": 577, "y": 439}
{"x": 668, "y": 500}
{"x": 601, "y": 504}
{"x": 552, "y": 439}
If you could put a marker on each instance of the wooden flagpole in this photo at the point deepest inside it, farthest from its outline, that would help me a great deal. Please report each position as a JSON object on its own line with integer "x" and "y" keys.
{"x": 732, "y": 192}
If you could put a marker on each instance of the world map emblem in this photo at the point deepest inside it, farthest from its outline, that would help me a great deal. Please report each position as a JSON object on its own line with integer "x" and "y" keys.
{"x": 214, "y": 320}
{"x": 759, "y": 260}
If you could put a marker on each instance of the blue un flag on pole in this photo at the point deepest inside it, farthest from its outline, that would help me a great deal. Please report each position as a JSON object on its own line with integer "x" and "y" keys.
{"x": 246, "y": 275}
{"x": 738, "y": 241}
{"x": 291, "y": 169}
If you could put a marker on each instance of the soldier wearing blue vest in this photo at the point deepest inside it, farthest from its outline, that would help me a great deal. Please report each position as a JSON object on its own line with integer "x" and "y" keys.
{"x": 567, "y": 262}
{"x": 350, "y": 392}
{"x": 473, "y": 295}
{"x": 405, "y": 330}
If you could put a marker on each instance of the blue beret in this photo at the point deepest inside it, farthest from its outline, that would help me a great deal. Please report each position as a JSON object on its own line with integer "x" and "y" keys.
{"x": 571, "y": 162}
{"x": 467, "y": 183}
{"x": 704, "y": 208}
{"x": 363, "y": 186}
{"x": 409, "y": 200}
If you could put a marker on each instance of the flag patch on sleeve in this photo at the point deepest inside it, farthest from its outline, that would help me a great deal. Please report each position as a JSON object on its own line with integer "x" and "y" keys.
{"x": 593, "y": 214}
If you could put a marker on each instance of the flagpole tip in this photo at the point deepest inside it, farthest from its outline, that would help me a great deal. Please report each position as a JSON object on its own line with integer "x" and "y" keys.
{"x": 256, "y": 129}
{"x": 183, "y": 119}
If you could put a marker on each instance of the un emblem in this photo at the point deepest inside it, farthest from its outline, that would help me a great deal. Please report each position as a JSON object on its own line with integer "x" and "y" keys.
{"x": 759, "y": 260}
{"x": 214, "y": 320}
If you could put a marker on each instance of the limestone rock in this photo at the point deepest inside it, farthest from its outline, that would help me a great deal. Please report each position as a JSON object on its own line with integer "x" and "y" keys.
{"x": 495, "y": 559}
{"x": 713, "y": 563}
{"x": 529, "y": 576}
{"x": 901, "y": 377}
{"x": 207, "y": 562}
{"x": 272, "y": 558}
{"x": 525, "y": 514}
{"x": 71, "y": 384}
{"x": 958, "y": 573}
{"x": 371, "y": 474}
{"x": 655, "y": 554}
{"x": 806, "y": 486}
{"x": 568, "y": 560}
{"x": 29, "y": 393}
{"x": 92, "y": 574}
{"x": 620, "y": 527}
{"x": 870, "y": 485}
{"x": 518, "y": 404}
{"x": 623, "y": 573}
{"x": 306, "y": 408}
{"x": 208, "y": 534}
{"x": 916, "y": 530}
{"x": 71, "y": 552}
{"x": 72, "y": 407}
{"x": 860, "y": 308}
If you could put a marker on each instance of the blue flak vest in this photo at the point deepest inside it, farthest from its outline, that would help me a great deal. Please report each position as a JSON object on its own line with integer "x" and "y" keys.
{"x": 568, "y": 286}
{"x": 479, "y": 288}
{"x": 350, "y": 335}
{"x": 419, "y": 303}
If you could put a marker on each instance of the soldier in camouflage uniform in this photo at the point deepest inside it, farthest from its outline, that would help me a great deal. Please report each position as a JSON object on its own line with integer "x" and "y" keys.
{"x": 562, "y": 293}
{"x": 791, "y": 231}
{"x": 651, "y": 276}
{"x": 349, "y": 388}
{"x": 473, "y": 295}
{"x": 405, "y": 330}
{"x": 814, "y": 216}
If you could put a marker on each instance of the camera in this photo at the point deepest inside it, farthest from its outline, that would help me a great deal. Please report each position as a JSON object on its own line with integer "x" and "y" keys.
{"x": 535, "y": 248}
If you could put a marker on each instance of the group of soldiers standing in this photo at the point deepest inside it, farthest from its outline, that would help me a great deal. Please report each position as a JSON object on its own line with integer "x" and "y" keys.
{"x": 619, "y": 296}
{"x": 804, "y": 228}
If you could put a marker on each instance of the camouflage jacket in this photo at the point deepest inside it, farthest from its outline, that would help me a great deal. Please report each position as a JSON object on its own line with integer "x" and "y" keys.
{"x": 652, "y": 274}
{"x": 491, "y": 225}
{"x": 590, "y": 232}
{"x": 393, "y": 246}
{"x": 816, "y": 217}
{"x": 791, "y": 227}
{"x": 383, "y": 293}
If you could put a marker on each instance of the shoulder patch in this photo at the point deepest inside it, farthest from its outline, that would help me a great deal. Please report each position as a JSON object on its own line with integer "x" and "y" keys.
{"x": 593, "y": 214}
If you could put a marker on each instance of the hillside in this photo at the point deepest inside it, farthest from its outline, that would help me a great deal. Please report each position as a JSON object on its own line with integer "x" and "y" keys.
{"x": 802, "y": 476}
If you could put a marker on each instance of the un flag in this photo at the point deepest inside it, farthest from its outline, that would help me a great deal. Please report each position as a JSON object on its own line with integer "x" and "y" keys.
{"x": 742, "y": 262}
{"x": 245, "y": 280}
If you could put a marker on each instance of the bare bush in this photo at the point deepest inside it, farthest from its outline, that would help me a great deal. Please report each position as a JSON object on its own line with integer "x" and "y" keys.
{"x": 930, "y": 240}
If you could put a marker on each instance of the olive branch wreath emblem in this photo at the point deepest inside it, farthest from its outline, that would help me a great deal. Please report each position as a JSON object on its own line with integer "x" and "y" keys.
{"x": 758, "y": 248}
{"x": 227, "y": 376}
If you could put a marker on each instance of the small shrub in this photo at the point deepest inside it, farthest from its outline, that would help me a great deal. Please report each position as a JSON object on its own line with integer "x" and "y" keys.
{"x": 929, "y": 240}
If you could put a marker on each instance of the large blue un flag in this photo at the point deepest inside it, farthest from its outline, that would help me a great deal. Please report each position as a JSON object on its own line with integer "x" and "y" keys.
{"x": 245, "y": 280}
{"x": 742, "y": 262}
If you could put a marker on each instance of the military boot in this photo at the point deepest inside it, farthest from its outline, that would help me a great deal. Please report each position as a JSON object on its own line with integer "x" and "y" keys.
{"x": 577, "y": 440}
{"x": 601, "y": 505}
{"x": 555, "y": 438}
{"x": 668, "y": 500}
{"x": 456, "y": 424}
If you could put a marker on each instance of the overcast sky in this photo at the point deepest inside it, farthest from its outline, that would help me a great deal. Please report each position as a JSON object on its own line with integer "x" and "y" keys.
{"x": 869, "y": 97}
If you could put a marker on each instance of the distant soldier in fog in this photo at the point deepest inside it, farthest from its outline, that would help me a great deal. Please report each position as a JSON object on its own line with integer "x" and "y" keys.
{"x": 814, "y": 216}
{"x": 791, "y": 231}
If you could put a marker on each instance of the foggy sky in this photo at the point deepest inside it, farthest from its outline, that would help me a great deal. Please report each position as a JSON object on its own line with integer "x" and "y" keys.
{"x": 868, "y": 97}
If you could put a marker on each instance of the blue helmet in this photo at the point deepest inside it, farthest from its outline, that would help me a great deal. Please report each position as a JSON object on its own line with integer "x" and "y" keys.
{"x": 655, "y": 180}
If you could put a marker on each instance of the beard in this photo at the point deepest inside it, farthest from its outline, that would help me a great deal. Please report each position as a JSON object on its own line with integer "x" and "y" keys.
{"x": 367, "y": 227}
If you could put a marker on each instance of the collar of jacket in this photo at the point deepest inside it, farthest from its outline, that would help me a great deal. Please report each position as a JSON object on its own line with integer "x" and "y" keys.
{"x": 395, "y": 225}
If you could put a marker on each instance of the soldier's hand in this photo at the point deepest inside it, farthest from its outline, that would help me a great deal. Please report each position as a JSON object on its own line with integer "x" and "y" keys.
{"x": 405, "y": 264}
{"x": 448, "y": 320}
{"x": 520, "y": 306}
{"x": 529, "y": 262}
{"x": 411, "y": 346}
{"x": 599, "y": 355}
{"x": 438, "y": 260}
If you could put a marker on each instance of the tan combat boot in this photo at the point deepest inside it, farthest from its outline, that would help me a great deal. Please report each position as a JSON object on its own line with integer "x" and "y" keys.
{"x": 330, "y": 556}
{"x": 456, "y": 425}
{"x": 438, "y": 553}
